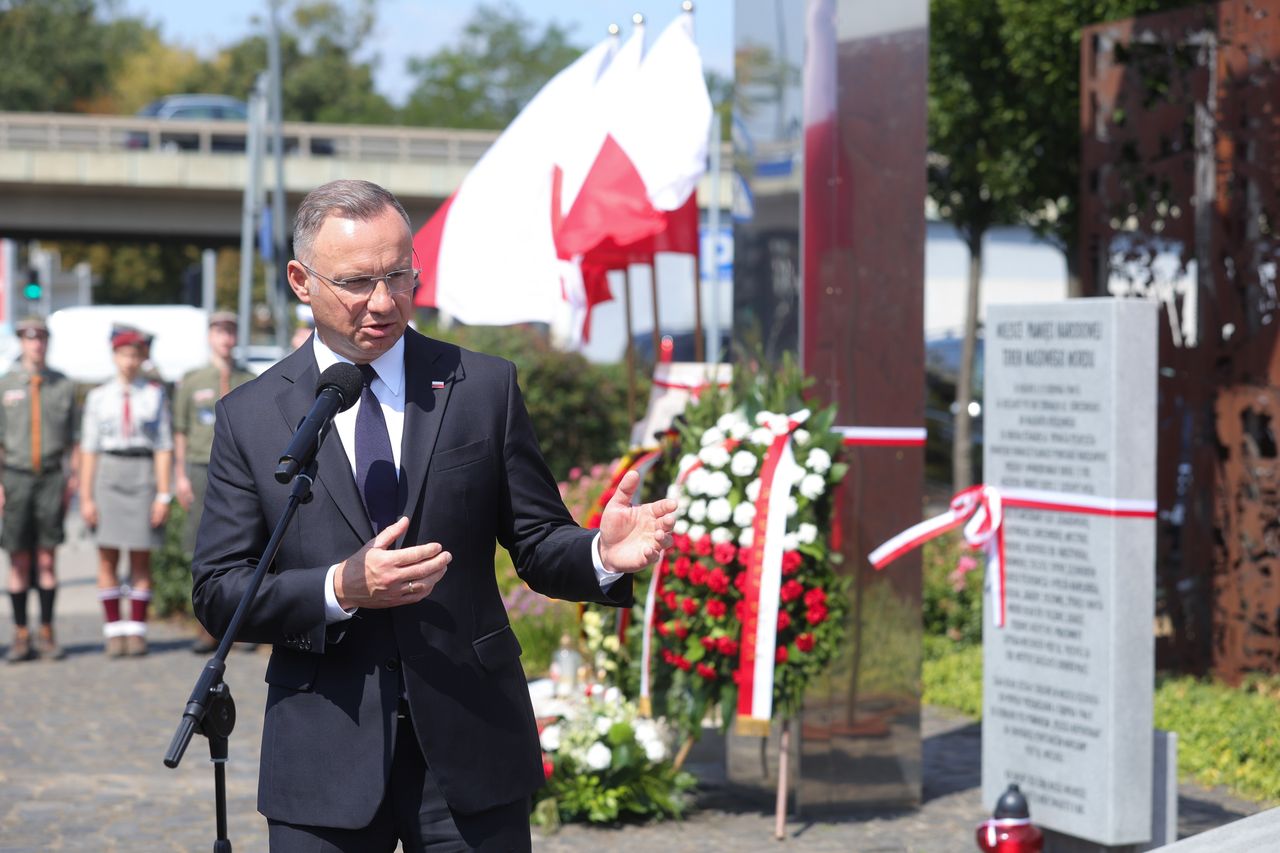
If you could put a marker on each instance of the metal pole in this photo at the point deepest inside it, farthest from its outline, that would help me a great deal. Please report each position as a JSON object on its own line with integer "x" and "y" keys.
{"x": 209, "y": 280}
{"x": 252, "y": 162}
{"x": 653, "y": 288}
{"x": 713, "y": 226}
{"x": 631, "y": 353}
{"x": 277, "y": 281}
{"x": 84, "y": 283}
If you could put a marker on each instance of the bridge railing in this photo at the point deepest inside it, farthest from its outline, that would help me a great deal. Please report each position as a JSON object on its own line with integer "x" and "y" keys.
{"x": 101, "y": 134}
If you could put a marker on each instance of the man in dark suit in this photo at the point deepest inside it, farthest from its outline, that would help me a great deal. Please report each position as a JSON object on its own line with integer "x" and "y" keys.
{"x": 397, "y": 707}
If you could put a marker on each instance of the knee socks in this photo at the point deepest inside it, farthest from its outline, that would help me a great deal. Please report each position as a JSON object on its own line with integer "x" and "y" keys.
{"x": 47, "y": 595}
{"x": 19, "y": 601}
{"x": 137, "y": 621}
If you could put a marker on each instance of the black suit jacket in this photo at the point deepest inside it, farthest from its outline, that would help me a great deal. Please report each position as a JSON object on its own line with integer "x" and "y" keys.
{"x": 471, "y": 474}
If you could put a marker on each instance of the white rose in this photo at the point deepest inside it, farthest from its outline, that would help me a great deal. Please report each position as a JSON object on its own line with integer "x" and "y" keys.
{"x": 719, "y": 511}
{"x": 599, "y": 756}
{"x": 743, "y": 463}
{"x": 612, "y": 694}
{"x": 812, "y": 486}
{"x": 762, "y": 436}
{"x": 718, "y": 484}
{"x": 807, "y": 533}
{"x": 746, "y": 537}
{"x": 753, "y": 490}
{"x": 818, "y": 460}
{"x": 681, "y": 526}
{"x": 686, "y": 462}
{"x": 550, "y": 738}
{"x": 744, "y": 513}
{"x": 790, "y": 542}
{"x": 712, "y": 436}
{"x": 603, "y": 724}
{"x": 696, "y": 532}
{"x": 697, "y": 511}
{"x": 740, "y": 430}
{"x": 726, "y": 421}
{"x": 721, "y": 534}
{"x": 645, "y": 729}
{"x": 714, "y": 457}
{"x": 793, "y": 506}
{"x": 682, "y": 504}
{"x": 801, "y": 436}
{"x": 696, "y": 484}
{"x": 674, "y": 493}
{"x": 779, "y": 424}
{"x": 763, "y": 417}
{"x": 654, "y": 750}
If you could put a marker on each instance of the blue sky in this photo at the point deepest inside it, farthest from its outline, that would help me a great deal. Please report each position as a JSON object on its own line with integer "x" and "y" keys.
{"x": 420, "y": 27}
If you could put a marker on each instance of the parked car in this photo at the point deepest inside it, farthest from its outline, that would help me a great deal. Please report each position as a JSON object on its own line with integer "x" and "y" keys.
{"x": 207, "y": 108}
{"x": 193, "y": 108}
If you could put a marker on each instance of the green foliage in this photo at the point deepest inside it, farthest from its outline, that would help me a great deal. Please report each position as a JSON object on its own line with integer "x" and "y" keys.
{"x": 171, "y": 569}
{"x": 578, "y": 409}
{"x": 56, "y": 55}
{"x": 488, "y": 76}
{"x": 952, "y": 596}
{"x": 1226, "y": 736}
{"x": 952, "y": 675}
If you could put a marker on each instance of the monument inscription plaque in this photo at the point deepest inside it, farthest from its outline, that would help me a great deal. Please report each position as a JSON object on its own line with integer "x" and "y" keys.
{"x": 1069, "y": 442}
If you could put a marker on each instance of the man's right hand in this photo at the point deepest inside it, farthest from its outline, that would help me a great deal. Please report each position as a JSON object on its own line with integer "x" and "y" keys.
{"x": 89, "y": 511}
{"x": 379, "y": 576}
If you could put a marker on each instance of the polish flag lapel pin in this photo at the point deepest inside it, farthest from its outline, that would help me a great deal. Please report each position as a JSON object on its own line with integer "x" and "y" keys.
{"x": 437, "y": 384}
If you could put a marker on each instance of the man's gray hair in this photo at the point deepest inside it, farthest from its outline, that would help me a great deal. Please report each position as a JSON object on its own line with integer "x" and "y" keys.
{"x": 358, "y": 200}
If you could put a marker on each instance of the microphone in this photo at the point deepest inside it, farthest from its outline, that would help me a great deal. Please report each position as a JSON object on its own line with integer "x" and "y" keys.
{"x": 338, "y": 389}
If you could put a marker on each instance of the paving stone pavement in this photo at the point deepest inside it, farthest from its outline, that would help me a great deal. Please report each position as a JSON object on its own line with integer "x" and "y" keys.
{"x": 81, "y": 743}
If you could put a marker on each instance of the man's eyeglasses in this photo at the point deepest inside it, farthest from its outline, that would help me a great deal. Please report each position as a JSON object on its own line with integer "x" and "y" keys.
{"x": 362, "y": 286}
{"x": 33, "y": 334}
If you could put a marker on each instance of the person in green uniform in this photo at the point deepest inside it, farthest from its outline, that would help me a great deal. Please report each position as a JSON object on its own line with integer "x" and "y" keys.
{"x": 193, "y": 413}
{"x": 38, "y": 435}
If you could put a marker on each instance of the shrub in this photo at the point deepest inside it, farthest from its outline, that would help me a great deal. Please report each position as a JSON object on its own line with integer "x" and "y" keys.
{"x": 171, "y": 569}
{"x": 578, "y": 409}
{"x": 952, "y": 591}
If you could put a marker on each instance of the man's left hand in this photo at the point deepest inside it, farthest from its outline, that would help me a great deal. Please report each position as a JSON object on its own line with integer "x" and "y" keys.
{"x": 632, "y": 537}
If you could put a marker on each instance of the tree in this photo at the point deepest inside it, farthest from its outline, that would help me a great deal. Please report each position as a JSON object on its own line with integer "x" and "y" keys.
{"x": 974, "y": 170}
{"x": 496, "y": 68}
{"x": 56, "y": 55}
{"x": 148, "y": 72}
{"x": 1041, "y": 44}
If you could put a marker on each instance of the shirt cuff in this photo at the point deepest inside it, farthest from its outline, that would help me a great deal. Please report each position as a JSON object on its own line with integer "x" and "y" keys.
{"x": 603, "y": 576}
{"x": 333, "y": 611}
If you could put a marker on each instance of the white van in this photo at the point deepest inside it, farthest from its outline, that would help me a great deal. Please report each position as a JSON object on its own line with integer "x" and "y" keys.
{"x": 80, "y": 339}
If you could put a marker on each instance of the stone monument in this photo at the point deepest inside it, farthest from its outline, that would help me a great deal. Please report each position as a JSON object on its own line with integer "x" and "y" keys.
{"x": 1070, "y": 443}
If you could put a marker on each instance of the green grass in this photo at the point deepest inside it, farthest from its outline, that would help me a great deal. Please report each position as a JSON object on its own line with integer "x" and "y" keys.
{"x": 1226, "y": 736}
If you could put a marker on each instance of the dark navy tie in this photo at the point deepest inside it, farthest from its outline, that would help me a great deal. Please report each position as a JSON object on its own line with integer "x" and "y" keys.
{"x": 375, "y": 464}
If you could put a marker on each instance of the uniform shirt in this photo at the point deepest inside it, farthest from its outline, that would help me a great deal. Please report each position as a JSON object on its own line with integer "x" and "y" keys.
{"x": 103, "y": 428}
{"x": 59, "y": 423}
{"x": 193, "y": 404}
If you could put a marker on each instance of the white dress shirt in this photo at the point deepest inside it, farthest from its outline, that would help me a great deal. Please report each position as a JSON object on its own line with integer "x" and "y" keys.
{"x": 388, "y": 388}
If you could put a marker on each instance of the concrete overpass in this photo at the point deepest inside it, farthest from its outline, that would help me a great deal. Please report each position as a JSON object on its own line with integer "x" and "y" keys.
{"x": 108, "y": 177}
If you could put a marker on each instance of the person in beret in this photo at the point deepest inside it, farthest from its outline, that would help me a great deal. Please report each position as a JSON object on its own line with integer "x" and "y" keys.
{"x": 193, "y": 415}
{"x": 39, "y": 428}
{"x": 126, "y": 443}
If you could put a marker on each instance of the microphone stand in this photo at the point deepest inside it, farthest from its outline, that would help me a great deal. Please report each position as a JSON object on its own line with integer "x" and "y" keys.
{"x": 210, "y": 710}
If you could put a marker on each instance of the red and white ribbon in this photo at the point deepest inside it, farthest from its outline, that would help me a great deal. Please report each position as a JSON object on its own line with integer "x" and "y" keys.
{"x": 761, "y": 589}
{"x": 877, "y": 436}
{"x": 981, "y": 510}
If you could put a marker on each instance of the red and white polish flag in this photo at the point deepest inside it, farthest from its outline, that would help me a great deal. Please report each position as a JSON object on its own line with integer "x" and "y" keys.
{"x": 488, "y": 255}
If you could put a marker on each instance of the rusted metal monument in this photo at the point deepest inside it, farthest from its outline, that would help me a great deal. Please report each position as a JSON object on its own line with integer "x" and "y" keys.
{"x": 829, "y": 155}
{"x": 1180, "y": 169}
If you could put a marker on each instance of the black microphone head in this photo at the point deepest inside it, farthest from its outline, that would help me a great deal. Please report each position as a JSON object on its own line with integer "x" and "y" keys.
{"x": 345, "y": 379}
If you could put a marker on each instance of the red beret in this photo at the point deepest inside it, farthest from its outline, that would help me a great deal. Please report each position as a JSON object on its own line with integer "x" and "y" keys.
{"x": 126, "y": 337}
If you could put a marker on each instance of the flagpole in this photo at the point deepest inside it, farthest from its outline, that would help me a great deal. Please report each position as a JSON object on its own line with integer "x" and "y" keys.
{"x": 698, "y": 344}
{"x": 631, "y": 351}
{"x": 653, "y": 288}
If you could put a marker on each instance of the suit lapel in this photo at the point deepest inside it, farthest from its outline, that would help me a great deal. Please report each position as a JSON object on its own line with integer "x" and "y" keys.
{"x": 334, "y": 469}
{"x": 430, "y": 371}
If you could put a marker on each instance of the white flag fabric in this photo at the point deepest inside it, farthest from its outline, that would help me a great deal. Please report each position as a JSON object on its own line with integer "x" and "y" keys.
{"x": 488, "y": 255}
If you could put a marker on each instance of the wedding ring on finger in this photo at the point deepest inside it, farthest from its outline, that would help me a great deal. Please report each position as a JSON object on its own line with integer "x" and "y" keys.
{"x": 412, "y": 587}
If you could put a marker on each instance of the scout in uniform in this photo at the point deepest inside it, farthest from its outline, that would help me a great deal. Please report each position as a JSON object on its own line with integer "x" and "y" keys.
{"x": 193, "y": 413}
{"x": 126, "y": 449}
{"x": 38, "y": 425}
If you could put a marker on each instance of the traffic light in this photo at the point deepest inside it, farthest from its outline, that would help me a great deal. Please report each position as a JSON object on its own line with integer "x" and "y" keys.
{"x": 33, "y": 289}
